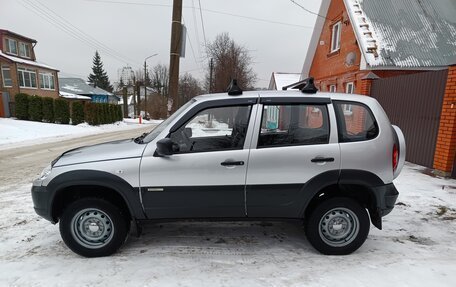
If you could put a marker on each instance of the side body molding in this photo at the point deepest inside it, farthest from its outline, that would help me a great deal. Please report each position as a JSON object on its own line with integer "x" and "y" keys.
{"x": 98, "y": 178}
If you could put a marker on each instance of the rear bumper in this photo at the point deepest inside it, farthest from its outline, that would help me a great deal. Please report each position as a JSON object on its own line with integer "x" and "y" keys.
{"x": 41, "y": 202}
{"x": 386, "y": 196}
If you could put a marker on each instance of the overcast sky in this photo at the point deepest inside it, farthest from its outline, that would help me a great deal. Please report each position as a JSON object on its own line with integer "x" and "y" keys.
{"x": 128, "y": 33}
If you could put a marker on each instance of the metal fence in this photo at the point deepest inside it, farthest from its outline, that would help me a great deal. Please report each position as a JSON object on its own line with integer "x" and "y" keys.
{"x": 414, "y": 102}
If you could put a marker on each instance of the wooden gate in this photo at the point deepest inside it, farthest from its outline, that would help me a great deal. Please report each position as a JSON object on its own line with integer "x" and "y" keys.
{"x": 413, "y": 103}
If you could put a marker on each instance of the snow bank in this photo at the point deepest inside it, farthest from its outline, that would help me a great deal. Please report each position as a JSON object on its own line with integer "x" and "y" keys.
{"x": 14, "y": 133}
{"x": 415, "y": 248}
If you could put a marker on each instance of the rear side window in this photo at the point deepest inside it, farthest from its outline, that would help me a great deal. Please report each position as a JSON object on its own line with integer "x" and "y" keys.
{"x": 355, "y": 122}
{"x": 297, "y": 124}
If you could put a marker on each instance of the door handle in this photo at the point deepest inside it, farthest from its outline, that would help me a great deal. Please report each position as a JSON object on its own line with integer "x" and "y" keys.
{"x": 228, "y": 163}
{"x": 322, "y": 159}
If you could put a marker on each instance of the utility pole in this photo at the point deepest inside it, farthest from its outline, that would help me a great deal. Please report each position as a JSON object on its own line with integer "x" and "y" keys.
{"x": 211, "y": 67}
{"x": 174, "y": 54}
{"x": 145, "y": 86}
{"x": 145, "y": 90}
{"x": 125, "y": 102}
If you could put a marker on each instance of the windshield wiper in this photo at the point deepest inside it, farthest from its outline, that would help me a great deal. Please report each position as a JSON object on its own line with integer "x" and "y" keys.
{"x": 139, "y": 140}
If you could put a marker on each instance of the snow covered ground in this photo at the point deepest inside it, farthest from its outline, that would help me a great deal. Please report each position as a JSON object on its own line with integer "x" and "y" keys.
{"x": 16, "y": 133}
{"x": 417, "y": 247}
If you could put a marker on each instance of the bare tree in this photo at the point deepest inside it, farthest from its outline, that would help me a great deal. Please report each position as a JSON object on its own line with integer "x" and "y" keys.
{"x": 230, "y": 61}
{"x": 189, "y": 87}
{"x": 159, "y": 76}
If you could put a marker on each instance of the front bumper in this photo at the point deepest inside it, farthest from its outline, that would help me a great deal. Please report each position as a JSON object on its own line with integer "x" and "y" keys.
{"x": 42, "y": 202}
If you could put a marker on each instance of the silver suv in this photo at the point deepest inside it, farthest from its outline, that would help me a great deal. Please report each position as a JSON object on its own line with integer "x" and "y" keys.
{"x": 325, "y": 159}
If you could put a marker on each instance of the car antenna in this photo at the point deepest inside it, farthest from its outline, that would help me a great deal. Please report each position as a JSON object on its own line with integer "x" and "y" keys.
{"x": 233, "y": 88}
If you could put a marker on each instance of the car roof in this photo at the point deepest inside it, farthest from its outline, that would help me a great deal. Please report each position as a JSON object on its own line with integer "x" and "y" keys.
{"x": 289, "y": 94}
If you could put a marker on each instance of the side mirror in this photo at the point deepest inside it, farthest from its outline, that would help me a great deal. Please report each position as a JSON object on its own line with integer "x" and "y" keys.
{"x": 164, "y": 147}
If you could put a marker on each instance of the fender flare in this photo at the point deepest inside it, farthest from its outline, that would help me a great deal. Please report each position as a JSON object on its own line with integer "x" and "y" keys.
{"x": 98, "y": 178}
{"x": 343, "y": 177}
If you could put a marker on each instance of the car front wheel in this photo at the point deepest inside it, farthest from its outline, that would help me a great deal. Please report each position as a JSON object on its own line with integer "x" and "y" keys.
{"x": 93, "y": 227}
{"x": 338, "y": 226}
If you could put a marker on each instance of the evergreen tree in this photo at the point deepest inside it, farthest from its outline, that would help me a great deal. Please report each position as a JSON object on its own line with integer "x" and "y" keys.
{"x": 99, "y": 77}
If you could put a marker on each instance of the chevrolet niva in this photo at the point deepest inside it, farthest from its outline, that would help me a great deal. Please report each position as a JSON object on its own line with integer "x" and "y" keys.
{"x": 326, "y": 159}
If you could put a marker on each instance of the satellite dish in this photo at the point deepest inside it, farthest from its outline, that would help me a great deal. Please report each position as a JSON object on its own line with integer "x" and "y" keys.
{"x": 350, "y": 59}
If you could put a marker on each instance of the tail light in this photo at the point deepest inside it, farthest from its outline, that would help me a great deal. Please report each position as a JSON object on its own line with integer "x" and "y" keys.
{"x": 395, "y": 159}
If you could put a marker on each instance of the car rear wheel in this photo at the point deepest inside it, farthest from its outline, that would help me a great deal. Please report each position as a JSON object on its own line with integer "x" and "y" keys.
{"x": 93, "y": 227}
{"x": 338, "y": 226}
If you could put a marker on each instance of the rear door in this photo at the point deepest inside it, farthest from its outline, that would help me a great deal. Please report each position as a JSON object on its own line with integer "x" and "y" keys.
{"x": 294, "y": 142}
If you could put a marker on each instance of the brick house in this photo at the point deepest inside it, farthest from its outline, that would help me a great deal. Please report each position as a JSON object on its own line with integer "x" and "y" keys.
{"x": 357, "y": 45}
{"x": 21, "y": 73}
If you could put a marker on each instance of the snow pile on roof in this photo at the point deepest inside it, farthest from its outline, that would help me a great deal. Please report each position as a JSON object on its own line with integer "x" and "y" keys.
{"x": 406, "y": 33}
{"x": 279, "y": 80}
{"x": 80, "y": 87}
{"x": 73, "y": 96}
{"x": 26, "y": 62}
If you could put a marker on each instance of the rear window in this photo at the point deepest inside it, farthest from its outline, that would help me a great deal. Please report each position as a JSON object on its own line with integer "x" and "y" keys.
{"x": 355, "y": 122}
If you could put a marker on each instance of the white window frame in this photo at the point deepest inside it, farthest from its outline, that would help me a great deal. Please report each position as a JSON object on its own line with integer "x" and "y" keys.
{"x": 26, "y": 50}
{"x": 22, "y": 74}
{"x": 332, "y": 88}
{"x": 335, "y": 36}
{"x": 349, "y": 89}
{"x": 6, "y": 68}
{"x": 8, "y": 46}
{"x": 47, "y": 81}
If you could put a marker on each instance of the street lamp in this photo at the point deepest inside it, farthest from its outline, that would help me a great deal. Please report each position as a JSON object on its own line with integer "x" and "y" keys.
{"x": 145, "y": 87}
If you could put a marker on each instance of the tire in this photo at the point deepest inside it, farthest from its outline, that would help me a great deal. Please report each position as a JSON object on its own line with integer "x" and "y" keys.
{"x": 338, "y": 226}
{"x": 93, "y": 227}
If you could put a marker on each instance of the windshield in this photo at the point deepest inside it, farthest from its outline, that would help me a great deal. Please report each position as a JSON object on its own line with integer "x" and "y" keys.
{"x": 157, "y": 130}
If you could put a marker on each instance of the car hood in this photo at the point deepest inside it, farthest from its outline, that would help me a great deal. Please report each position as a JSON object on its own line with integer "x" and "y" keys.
{"x": 101, "y": 152}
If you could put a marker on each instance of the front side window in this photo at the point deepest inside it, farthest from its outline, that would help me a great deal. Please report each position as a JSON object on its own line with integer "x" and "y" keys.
{"x": 6, "y": 76}
{"x": 27, "y": 78}
{"x": 359, "y": 125}
{"x": 289, "y": 125}
{"x": 335, "y": 37}
{"x": 47, "y": 81}
{"x": 24, "y": 50}
{"x": 11, "y": 46}
{"x": 214, "y": 129}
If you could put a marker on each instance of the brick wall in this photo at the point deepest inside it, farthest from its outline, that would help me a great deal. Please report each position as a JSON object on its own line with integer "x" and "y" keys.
{"x": 446, "y": 139}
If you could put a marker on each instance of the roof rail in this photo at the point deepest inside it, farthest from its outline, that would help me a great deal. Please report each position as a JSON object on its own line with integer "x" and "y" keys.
{"x": 306, "y": 86}
{"x": 309, "y": 87}
{"x": 233, "y": 88}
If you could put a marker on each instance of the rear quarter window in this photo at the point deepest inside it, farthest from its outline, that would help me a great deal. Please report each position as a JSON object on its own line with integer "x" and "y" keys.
{"x": 355, "y": 122}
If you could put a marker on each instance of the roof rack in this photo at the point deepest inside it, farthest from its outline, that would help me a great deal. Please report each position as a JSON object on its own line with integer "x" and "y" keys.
{"x": 306, "y": 86}
{"x": 233, "y": 88}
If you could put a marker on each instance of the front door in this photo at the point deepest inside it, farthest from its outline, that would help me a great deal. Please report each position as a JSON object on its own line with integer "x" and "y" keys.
{"x": 205, "y": 177}
{"x": 293, "y": 146}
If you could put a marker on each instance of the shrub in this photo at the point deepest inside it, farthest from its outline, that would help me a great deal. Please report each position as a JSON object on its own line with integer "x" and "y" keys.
{"x": 91, "y": 114}
{"x": 61, "y": 111}
{"x": 48, "y": 110}
{"x": 35, "y": 108}
{"x": 119, "y": 113}
{"x": 77, "y": 113}
{"x": 21, "y": 106}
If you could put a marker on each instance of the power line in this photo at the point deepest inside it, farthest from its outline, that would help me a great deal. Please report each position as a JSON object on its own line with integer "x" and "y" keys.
{"x": 202, "y": 25}
{"x": 84, "y": 33}
{"x": 206, "y": 10}
{"x": 195, "y": 24}
{"x": 66, "y": 28}
{"x": 307, "y": 10}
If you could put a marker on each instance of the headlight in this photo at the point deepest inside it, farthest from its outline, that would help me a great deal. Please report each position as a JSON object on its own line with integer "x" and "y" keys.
{"x": 45, "y": 173}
